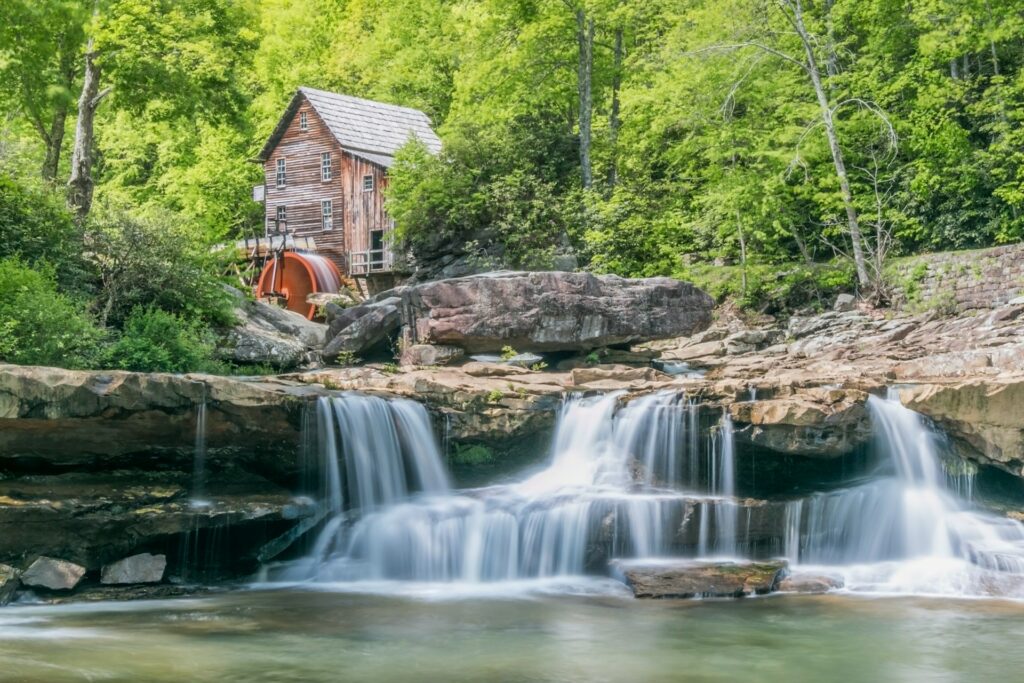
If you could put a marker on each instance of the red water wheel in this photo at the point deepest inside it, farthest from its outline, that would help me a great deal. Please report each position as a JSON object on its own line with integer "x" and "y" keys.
{"x": 293, "y": 276}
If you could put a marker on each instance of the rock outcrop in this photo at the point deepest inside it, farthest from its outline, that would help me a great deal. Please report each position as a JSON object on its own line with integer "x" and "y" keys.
{"x": 538, "y": 311}
{"x": 692, "y": 578}
{"x": 986, "y": 416}
{"x": 271, "y": 335}
{"x": 10, "y": 580}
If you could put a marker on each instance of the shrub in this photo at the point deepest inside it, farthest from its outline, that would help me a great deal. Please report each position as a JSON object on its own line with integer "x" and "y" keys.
{"x": 38, "y": 324}
{"x": 36, "y": 227}
{"x": 154, "y": 340}
{"x": 153, "y": 262}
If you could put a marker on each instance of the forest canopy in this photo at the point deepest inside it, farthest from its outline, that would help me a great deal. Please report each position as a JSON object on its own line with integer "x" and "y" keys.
{"x": 798, "y": 141}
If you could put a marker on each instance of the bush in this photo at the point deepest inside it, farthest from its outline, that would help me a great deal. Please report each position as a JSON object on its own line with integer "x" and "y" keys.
{"x": 774, "y": 288}
{"x": 36, "y": 227}
{"x": 157, "y": 341}
{"x": 38, "y": 324}
{"x": 153, "y": 262}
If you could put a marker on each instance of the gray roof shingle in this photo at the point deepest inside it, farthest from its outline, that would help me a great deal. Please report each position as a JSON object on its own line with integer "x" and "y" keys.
{"x": 372, "y": 130}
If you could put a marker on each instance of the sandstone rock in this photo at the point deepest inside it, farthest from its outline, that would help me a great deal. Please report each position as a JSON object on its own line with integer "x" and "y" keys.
{"x": 619, "y": 373}
{"x": 819, "y": 423}
{"x": 552, "y": 311}
{"x": 804, "y": 582}
{"x": 691, "y": 578}
{"x": 430, "y": 354}
{"x": 342, "y": 299}
{"x": 142, "y": 568}
{"x": 54, "y": 574}
{"x": 525, "y": 360}
{"x": 477, "y": 369}
{"x": 9, "y": 582}
{"x": 987, "y": 415}
{"x": 845, "y": 302}
{"x": 270, "y": 335}
{"x": 704, "y": 349}
{"x": 747, "y": 337}
{"x": 373, "y": 326}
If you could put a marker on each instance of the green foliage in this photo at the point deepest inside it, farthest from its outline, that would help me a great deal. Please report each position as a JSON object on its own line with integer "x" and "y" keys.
{"x": 346, "y": 359}
{"x": 538, "y": 367}
{"x": 593, "y": 358}
{"x": 772, "y": 288}
{"x": 471, "y": 455}
{"x": 157, "y": 341}
{"x": 153, "y": 262}
{"x": 38, "y": 324}
{"x": 508, "y": 353}
{"x": 390, "y": 369}
{"x": 495, "y": 396}
{"x": 36, "y": 227}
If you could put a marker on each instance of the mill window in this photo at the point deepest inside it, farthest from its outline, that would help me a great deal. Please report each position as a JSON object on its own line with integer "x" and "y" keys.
{"x": 282, "y": 176}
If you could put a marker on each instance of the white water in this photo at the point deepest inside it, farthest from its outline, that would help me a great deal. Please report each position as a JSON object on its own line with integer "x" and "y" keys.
{"x": 643, "y": 480}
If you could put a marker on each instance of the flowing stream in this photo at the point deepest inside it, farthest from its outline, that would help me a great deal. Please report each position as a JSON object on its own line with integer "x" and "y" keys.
{"x": 648, "y": 479}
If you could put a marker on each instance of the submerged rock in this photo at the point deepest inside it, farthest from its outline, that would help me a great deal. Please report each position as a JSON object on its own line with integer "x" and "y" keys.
{"x": 141, "y": 568}
{"x": 54, "y": 574}
{"x": 9, "y": 582}
{"x": 694, "y": 578}
{"x": 803, "y": 582}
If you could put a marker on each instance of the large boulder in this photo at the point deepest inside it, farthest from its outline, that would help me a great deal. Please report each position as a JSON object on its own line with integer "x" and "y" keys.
{"x": 552, "y": 311}
{"x": 270, "y": 335}
{"x": 361, "y": 328}
{"x": 141, "y": 568}
{"x": 53, "y": 574}
{"x": 693, "y": 578}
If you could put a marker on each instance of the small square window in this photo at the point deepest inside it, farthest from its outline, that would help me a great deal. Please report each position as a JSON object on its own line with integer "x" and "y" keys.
{"x": 327, "y": 214}
{"x": 367, "y": 183}
{"x": 325, "y": 166}
{"x": 282, "y": 175}
{"x": 303, "y": 121}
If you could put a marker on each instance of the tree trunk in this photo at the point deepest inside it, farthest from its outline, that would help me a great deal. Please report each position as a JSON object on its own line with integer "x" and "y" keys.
{"x": 54, "y": 141}
{"x": 743, "y": 252}
{"x": 80, "y": 184}
{"x": 833, "y": 143}
{"x": 614, "y": 123}
{"x": 585, "y": 37}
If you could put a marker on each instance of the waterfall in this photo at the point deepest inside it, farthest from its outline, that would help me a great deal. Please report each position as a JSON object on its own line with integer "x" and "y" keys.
{"x": 651, "y": 478}
{"x": 199, "y": 455}
{"x": 920, "y": 532}
{"x": 606, "y": 491}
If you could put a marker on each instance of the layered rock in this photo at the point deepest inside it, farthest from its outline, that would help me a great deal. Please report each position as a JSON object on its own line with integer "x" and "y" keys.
{"x": 984, "y": 415}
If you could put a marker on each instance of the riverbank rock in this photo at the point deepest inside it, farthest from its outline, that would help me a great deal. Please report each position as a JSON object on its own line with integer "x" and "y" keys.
{"x": 359, "y": 329}
{"x": 270, "y": 335}
{"x": 53, "y": 574}
{"x": 552, "y": 311}
{"x": 692, "y": 578}
{"x": 10, "y": 580}
{"x": 141, "y": 568}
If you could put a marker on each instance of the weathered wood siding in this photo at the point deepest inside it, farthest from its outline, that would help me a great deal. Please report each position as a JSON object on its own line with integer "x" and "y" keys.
{"x": 304, "y": 189}
{"x": 364, "y": 211}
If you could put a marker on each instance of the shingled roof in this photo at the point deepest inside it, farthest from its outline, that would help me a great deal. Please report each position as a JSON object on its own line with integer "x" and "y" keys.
{"x": 371, "y": 130}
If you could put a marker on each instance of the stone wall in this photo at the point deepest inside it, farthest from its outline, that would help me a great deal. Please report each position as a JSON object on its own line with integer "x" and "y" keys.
{"x": 959, "y": 280}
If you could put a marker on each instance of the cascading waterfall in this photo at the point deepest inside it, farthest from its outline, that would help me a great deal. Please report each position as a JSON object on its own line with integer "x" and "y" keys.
{"x": 906, "y": 529}
{"x": 655, "y": 477}
{"x": 619, "y": 480}
{"x": 199, "y": 454}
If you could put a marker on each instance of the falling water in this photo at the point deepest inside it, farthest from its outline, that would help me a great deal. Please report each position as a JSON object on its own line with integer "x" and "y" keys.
{"x": 645, "y": 479}
{"x": 199, "y": 455}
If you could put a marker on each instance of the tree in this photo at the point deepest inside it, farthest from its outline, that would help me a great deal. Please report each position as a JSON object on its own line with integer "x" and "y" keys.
{"x": 39, "y": 67}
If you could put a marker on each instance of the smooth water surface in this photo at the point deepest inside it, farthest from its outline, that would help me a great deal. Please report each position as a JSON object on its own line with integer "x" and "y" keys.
{"x": 300, "y": 635}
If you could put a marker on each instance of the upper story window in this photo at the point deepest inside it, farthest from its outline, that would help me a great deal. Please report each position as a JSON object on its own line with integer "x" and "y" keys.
{"x": 367, "y": 183}
{"x": 282, "y": 214}
{"x": 303, "y": 121}
{"x": 282, "y": 175}
{"x": 327, "y": 214}
{"x": 325, "y": 166}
